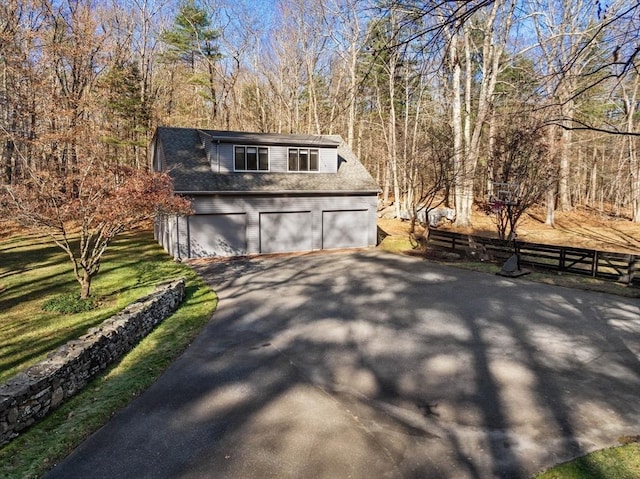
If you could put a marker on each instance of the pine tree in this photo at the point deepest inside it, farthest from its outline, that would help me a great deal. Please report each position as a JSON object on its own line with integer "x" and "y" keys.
{"x": 193, "y": 42}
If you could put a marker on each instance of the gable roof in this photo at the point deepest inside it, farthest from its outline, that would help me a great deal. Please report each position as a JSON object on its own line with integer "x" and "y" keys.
{"x": 187, "y": 163}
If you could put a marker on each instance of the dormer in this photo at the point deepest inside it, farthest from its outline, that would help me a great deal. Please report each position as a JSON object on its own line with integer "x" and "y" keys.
{"x": 241, "y": 152}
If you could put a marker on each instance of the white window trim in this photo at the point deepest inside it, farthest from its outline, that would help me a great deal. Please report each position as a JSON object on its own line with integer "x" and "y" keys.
{"x": 257, "y": 147}
{"x": 309, "y": 149}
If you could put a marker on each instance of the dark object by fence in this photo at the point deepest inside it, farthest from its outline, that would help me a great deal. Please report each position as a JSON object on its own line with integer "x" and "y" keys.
{"x": 620, "y": 267}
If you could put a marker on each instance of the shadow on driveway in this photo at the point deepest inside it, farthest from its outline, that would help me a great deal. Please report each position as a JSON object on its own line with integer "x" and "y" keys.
{"x": 369, "y": 365}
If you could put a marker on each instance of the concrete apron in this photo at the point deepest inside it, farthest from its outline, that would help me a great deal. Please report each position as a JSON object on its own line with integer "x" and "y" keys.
{"x": 368, "y": 365}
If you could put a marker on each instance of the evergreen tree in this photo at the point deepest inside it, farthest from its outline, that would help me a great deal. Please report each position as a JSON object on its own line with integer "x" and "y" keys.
{"x": 127, "y": 115}
{"x": 191, "y": 37}
{"x": 193, "y": 42}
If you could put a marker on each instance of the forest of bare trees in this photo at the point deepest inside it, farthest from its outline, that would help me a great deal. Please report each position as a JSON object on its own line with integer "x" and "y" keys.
{"x": 438, "y": 98}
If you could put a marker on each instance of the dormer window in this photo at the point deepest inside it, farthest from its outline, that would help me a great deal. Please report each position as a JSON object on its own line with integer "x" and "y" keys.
{"x": 303, "y": 159}
{"x": 251, "y": 158}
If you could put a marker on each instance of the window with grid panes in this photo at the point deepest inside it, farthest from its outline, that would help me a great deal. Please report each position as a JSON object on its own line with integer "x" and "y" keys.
{"x": 251, "y": 158}
{"x": 303, "y": 159}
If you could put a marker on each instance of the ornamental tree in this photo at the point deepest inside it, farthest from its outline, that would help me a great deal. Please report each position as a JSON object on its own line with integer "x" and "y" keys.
{"x": 519, "y": 160}
{"x": 85, "y": 209}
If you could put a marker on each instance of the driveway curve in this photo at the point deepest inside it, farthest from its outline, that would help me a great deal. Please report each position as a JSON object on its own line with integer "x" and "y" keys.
{"x": 370, "y": 365}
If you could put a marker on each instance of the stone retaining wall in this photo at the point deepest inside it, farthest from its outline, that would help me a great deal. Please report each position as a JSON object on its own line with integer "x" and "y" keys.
{"x": 31, "y": 394}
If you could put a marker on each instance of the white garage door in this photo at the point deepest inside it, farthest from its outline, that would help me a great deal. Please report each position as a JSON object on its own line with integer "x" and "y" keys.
{"x": 218, "y": 235}
{"x": 345, "y": 229}
{"x": 283, "y": 232}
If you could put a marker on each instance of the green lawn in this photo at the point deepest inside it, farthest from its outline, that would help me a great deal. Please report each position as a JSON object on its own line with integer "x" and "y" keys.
{"x": 33, "y": 270}
{"x": 616, "y": 463}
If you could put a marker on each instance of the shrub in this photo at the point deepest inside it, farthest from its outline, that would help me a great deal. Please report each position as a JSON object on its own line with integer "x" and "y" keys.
{"x": 68, "y": 304}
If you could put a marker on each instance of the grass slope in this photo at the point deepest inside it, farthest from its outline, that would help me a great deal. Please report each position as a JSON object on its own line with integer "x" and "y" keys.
{"x": 31, "y": 271}
{"x": 615, "y": 463}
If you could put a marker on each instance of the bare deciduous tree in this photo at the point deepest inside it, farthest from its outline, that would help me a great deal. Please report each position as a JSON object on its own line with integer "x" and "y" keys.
{"x": 521, "y": 161}
{"x": 83, "y": 211}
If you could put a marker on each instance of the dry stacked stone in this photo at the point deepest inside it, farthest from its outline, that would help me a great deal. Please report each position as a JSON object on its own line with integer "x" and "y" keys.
{"x": 32, "y": 394}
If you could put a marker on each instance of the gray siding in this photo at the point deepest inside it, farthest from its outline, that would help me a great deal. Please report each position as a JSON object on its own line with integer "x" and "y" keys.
{"x": 165, "y": 233}
{"x": 266, "y": 218}
{"x": 219, "y": 235}
{"x": 344, "y": 228}
{"x": 270, "y": 224}
{"x": 328, "y": 160}
{"x": 183, "y": 248}
{"x": 157, "y": 155}
{"x": 225, "y": 152}
{"x": 209, "y": 148}
{"x": 286, "y": 231}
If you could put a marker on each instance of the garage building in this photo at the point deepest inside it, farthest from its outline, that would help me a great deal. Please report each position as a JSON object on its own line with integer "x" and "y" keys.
{"x": 258, "y": 193}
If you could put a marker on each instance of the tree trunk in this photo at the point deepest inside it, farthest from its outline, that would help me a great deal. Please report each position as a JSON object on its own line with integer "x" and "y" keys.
{"x": 551, "y": 206}
{"x": 85, "y": 284}
{"x": 634, "y": 164}
{"x": 593, "y": 197}
{"x": 392, "y": 144}
{"x": 635, "y": 199}
{"x": 456, "y": 120}
{"x": 564, "y": 198}
{"x": 387, "y": 183}
{"x": 470, "y": 131}
{"x": 551, "y": 191}
{"x": 212, "y": 92}
{"x": 464, "y": 190}
{"x": 490, "y": 172}
{"x": 7, "y": 173}
{"x": 351, "y": 119}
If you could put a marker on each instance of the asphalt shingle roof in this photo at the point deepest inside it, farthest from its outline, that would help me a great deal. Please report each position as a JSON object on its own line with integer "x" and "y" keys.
{"x": 189, "y": 167}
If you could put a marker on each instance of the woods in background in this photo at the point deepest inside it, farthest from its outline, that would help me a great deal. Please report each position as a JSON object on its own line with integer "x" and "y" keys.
{"x": 439, "y": 99}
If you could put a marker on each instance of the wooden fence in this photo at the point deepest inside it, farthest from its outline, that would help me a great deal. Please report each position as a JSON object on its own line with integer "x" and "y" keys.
{"x": 621, "y": 267}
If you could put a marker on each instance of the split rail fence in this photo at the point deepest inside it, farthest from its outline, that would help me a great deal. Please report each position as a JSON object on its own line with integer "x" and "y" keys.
{"x": 621, "y": 267}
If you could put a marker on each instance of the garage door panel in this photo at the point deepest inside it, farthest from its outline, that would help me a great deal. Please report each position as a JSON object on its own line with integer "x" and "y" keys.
{"x": 285, "y": 231}
{"x": 345, "y": 229}
{"x": 218, "y": 235}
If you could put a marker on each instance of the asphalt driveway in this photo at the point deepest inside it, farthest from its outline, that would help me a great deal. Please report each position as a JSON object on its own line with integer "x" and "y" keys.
{"x": 369, "y": 365}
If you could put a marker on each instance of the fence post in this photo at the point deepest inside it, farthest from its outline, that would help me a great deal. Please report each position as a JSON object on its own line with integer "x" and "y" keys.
{"x": 594, "y": 264}
{"x": 631, "y": 271}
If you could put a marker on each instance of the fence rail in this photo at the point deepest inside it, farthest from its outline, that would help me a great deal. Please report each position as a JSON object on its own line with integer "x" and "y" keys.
{"x": 621, "y": 267}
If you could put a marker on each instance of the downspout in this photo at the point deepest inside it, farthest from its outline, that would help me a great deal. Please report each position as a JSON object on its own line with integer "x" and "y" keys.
{"x": 177, "y": 256}
{"x": 218, "y": 155}
{"x": 186, "y": 220}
